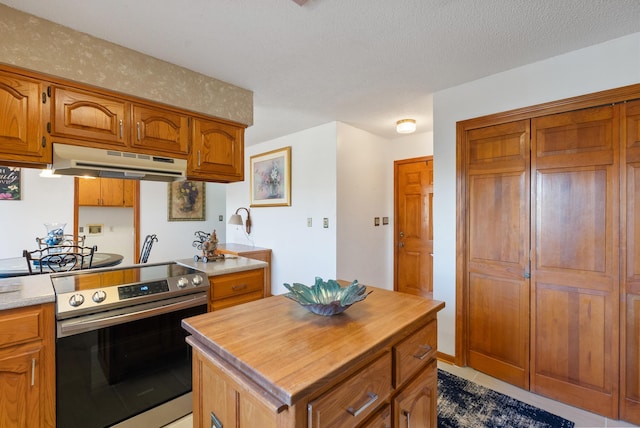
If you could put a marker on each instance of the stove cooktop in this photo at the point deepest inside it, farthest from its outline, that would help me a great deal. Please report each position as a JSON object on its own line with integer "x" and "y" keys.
{"x": 90, "y": 291}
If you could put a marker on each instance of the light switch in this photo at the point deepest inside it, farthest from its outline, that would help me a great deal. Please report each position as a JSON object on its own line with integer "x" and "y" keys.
{"x": 309, "y": 222}
{"x": 325, "y": 223}
{"x": 220, "y": 217}
{"x": 376, "y": 221}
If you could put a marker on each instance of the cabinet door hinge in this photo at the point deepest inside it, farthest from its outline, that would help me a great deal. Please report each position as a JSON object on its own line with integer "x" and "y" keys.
{"x": 49, "y": 127}
{"x": 44, "y": 142}
{"x": 49, "y": 91}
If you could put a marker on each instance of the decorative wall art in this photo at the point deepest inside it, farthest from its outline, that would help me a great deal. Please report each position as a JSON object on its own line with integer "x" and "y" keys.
{"x": 187, "y": 200}
{"x": 271, "y": 178}
{"x": 10, "y": 187}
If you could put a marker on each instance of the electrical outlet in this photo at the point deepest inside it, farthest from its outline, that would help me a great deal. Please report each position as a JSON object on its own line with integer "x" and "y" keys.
{"x": 385, "y": 220}
{"x": 309, "y": 222}
{"x": 325, "y": 223}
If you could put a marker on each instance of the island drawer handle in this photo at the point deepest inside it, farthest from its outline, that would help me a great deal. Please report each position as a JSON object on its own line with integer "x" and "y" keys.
{"x": 239, "y": 287}
{"x": 215, "y": 422}
{"x": 372, "y": 398}
{"x": 424, "y": 353}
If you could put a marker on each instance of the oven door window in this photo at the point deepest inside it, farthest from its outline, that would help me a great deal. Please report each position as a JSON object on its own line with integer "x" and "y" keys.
{"x": 114, "y": 373}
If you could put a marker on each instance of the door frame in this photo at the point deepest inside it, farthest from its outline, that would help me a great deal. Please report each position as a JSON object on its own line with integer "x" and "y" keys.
{"x": 136, "y": 216}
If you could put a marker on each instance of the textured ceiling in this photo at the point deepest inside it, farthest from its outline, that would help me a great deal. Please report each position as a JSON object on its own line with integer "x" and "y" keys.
{"x": 367, "y": 63}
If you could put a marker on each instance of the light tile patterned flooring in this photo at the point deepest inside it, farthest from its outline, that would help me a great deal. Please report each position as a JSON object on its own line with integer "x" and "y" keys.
{"x": 581, "y": 418}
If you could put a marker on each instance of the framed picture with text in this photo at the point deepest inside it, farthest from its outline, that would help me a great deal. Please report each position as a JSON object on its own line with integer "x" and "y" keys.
{"x": 271, "y": 178}
{"x": 10, "y": 186}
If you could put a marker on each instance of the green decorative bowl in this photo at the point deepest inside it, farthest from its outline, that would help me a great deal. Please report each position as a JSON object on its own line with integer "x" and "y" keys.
{"x": 326, "y": 298}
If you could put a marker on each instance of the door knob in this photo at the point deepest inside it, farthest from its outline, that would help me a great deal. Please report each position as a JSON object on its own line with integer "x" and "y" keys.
{"x": 402, "y": 234}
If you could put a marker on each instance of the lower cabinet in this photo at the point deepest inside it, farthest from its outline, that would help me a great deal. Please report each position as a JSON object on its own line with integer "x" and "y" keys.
{"x": 236, "y": 288}
{"x": 27, "y": 375}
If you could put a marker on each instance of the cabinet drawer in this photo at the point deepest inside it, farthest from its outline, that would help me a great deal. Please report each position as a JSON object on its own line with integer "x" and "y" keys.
{"x": 414, "y": 351}
{"x": 351, "y": 402}
{"x": 235, "y": 284}
{"x": 20, "y": 325}
{"x": 216, "y": 305}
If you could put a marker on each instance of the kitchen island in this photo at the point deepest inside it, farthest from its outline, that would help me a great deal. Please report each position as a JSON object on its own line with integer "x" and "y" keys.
{"x": 271, "y": 363}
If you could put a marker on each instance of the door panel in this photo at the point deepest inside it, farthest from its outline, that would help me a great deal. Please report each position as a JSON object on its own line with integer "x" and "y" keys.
{"x": 414, "y": 227}
{"x": 575, "y": 277}
{"x": 497, "y": 251}
{"x": 630, "y": 316}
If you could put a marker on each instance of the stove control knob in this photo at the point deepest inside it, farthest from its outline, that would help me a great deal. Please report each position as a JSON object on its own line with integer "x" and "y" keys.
{"x": 197, "y": 280}
{"x": 183, "y": 282}
{"x": 76, "y": 300}
{"x": 99, "y": 296}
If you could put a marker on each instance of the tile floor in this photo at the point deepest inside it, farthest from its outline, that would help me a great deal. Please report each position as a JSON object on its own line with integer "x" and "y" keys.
{"x": 581, "y": 418}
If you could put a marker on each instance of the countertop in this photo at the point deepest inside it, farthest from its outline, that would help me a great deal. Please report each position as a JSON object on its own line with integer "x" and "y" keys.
{"x": 290, "y": 351}
{"x": 220, "y": 267}
{"x": 30, "y": 290}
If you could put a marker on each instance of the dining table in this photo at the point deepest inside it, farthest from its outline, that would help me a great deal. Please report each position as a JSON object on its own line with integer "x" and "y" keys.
{"x": 17, "y": 266}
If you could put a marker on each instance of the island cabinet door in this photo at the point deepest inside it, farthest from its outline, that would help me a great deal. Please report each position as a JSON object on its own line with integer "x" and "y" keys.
{"x": 219, "y": 401}
{"x": 416, "y": 405}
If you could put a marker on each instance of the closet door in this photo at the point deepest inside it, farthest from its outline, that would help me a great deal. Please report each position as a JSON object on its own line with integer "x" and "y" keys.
{"x": 630, "y": 312}
{"x": 575, "y": 258}
{"x": 498, "y": 251}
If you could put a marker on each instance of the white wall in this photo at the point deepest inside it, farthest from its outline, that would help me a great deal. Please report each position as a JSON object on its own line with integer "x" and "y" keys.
{"x": 46, "y": 200}
{"x": 299, "y": 253}
{"x": 341, "y": 173}
{"x": 366, "y": 190}
{"x": 605, "y": 66}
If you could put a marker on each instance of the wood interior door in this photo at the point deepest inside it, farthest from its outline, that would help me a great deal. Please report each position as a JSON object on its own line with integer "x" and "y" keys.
{"x": 630, "y": 269}
{"x": 413, "y": 255}
{"x": 575, "y": 258}
{"x": 497, "y": 251}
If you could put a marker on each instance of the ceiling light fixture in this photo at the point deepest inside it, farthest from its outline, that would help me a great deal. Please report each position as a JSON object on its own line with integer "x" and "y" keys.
{"x": 236, "y": 219}
{"x": 406, "y": 126}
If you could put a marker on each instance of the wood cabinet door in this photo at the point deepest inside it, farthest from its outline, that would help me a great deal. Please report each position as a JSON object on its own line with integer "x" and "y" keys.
{"x": 497, "y": 252}
{"x": 159, "y": 130}
{"x": 20, "y": 389}
{"x": 90, "y": 117}
{"x": 21, "y": 109}
{"x": 630, "y": 311}
{"x": 112, "y": 192}
{"x": 89, "y": 191}
{"x": 217, "y": 151}
{"x": 417, "y": 405}
{"x": 575, "y": 258}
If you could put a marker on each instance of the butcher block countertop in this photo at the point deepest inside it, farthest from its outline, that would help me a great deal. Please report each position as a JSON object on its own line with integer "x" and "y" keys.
{"x": 290, "y": 352}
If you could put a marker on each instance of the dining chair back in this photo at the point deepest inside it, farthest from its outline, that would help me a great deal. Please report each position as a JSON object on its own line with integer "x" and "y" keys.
{"x": 146, "y": 248}
{"x": 59, "y": 258}
{"x": 58, "y": 240}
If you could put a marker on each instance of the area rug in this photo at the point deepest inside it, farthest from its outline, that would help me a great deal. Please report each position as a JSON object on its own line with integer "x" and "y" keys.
{"x": 462, "y": 403}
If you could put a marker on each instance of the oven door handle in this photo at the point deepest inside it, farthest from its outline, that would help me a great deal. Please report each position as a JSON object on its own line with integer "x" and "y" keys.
{"x": 74, "y": 326}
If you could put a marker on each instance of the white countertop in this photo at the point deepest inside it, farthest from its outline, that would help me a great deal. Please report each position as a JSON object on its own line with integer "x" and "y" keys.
{"x": 27, "y": 290}
{"x": 30, "y": 290}
{"x": 230, "y": 264}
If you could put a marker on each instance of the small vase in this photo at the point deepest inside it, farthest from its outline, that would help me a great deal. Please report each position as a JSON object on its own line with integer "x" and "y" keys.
{"x": 55, "y": 233}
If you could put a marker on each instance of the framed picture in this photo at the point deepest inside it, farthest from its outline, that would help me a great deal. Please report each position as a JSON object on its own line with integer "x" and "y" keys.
{"x": 271, "y": 178}
{"x": 10, "y": 187}
{"x": 187, "y": 201}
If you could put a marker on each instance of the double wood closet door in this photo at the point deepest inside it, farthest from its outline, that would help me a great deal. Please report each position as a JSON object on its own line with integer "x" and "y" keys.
{"x": 549, "y": 284}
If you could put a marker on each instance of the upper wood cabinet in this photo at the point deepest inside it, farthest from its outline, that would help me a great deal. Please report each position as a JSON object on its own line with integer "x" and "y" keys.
{"x": 105, "y": 192}
{"x": 157, "y": 129}
{"x": 217, "y": 152}
{"x": 22, "y": 120}
{"x": 89, "y": 117}
{"x": 37, "y": 111}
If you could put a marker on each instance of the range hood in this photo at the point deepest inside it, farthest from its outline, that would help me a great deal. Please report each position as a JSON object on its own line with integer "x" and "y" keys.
{"x": 89, "y": 161}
